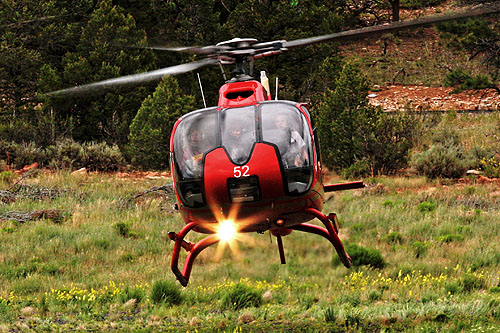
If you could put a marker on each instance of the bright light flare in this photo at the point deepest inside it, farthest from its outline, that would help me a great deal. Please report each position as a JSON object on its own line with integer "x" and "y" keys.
{"x": 226, "y": 231}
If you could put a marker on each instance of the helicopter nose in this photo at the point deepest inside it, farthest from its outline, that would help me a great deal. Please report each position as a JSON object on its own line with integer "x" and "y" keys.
{"x": 227, "y": 183}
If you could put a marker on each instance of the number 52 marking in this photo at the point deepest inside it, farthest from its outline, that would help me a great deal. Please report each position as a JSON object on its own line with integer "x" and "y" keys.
{"x": 241, "y": 171}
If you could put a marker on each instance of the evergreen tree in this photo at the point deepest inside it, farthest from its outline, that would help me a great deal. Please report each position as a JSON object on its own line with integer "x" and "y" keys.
{"x": 357, "y": 137}
{"x": 481, "y": 38}
{"x": 277, "y": 20}
{"x": 150, "y": 130}
{"x": 98, "y": 56}
{"x": 339, "y": 115}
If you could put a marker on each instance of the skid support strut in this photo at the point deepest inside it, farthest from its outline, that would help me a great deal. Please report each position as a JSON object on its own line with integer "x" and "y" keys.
{"x": 328, "y": 233}
{"x": 193, "y": 249}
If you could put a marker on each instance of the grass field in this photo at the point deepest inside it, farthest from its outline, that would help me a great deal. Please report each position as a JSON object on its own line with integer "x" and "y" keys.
{"x": 91, "y": 252}
{"x": 101, "y": 262}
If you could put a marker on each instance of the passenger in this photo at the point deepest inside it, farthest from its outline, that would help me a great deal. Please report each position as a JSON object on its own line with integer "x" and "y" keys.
{"x": 296, "y": 154}
{"x": 193, "y": 155}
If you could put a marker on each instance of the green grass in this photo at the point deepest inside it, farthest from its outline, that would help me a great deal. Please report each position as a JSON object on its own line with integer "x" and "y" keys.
{"x": 108, "y": 264}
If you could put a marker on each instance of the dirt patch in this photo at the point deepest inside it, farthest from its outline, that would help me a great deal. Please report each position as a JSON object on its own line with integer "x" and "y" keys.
{"x": 421, "y": 98}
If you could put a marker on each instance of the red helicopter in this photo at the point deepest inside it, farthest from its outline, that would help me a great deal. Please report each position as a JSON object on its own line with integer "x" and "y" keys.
{"x": 251, "y": 164}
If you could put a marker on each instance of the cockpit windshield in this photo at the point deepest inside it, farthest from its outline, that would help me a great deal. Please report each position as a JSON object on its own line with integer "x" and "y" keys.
{"x": 236, "y": 130}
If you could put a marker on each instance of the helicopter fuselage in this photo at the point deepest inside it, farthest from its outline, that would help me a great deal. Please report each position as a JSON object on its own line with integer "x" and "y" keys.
{"x": 254, "y": 162}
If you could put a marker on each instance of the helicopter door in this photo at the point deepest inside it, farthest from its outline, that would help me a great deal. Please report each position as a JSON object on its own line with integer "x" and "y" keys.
{"x": 194, "y": 136}
{"x": 286, "y": 127}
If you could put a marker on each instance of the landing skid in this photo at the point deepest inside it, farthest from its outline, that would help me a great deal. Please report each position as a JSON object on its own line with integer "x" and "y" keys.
{"x": 329, "y": 232}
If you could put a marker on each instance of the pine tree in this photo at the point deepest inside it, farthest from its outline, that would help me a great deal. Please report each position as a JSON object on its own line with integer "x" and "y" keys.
{"x": 100, "y": 55}
{"x": 357, "y": 137}
{"x": 150, "y": 130}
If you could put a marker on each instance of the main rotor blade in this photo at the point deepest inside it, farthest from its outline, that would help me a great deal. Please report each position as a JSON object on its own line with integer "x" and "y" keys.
{"x": 205, "y": 50}
{"x": 395, "y": 26}
{"x": 135, "y": 78}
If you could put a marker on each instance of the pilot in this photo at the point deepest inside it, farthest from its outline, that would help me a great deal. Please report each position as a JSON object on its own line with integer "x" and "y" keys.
{"x": 296, "y": 154}
{"x": 234, "y": 141}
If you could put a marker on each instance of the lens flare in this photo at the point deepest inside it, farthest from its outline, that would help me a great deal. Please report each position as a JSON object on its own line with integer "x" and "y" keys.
{"x": 226, "y": 231}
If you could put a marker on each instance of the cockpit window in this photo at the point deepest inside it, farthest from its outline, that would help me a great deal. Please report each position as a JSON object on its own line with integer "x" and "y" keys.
{"x": 194, "y": 136}
{"x": 284, "y": 126}
{"x": 238, "y": 132}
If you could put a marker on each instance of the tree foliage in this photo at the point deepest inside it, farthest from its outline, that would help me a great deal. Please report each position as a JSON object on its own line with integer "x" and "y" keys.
{"x": 150, "y": 130}
{"x": 55, "y": 44}
{"x": 97, "y": 58}
{"x": 480, "y": 37}
{"x": 357, "y": 137}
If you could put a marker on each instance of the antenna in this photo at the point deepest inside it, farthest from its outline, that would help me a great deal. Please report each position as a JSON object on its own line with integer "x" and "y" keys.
{"x": 222, "y": 70}
{"x": 276, "y": 94}
{"x": 201, "y": 89}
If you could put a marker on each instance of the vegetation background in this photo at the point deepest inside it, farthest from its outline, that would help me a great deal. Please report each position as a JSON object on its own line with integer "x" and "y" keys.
{"x": 58, "y": 44}
{"x": 90, "y": 251}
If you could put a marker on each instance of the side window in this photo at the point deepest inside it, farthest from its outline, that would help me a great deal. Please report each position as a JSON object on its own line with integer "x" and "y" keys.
{"x": 315, "y": 134}
{"x": 238, "y": 132}
{"x": 285, "y": 126}
{"x": 194, "y": 136}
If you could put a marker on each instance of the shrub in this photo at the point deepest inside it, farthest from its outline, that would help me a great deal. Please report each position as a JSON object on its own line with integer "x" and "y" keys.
{"x": 166, "y": 292}
{"x": 19, "y": 130}
{"x": 484, "y": 260}
{"x": 65, "y": 154}
{"x": 388, "y": 203}
{"x": 102, "y": 157}
{"x": 416, "y": 4}
{"x": 68, "y": 154}
{"x": 491, "y": 167}
{"x": 429, "y": 296}
{"x": 446, "y": 135}
{"x": 470, "y": 282}
{"x": 446, "y": 157}
{"x": 449, "y": 238}
{"x": 374, "y": 295}
{"x": 455, "y": 78}
{"x": 477, "y": 154}
{"x": 132, "y": 293}
{"x": 352, "y": 299}
{"x": 452, "y": 287}
{"x": 420, "y": 248}
{"x": 28, "y": 153}
{"x": 360, "y": 168}
{"x": 462, "y": 80}
{"x": 20, "y": 154}
{"x": 495, "y": 290}
{"x": 127, "y": 257}
{"x": 362, "y": 257}
{"x": 7, "y": 176}
{"x": 440, "y": 161}
{"x": 241, "y": 296}
{"x": 123, "y": 229}
{"x": 393, "y": 238}
{"x": 426, "y": 206}
{"x": 306, "y": 300}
